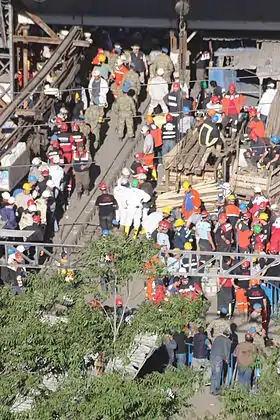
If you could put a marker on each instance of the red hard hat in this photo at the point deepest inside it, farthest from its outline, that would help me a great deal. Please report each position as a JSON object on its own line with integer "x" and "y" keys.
{"x": 55, "y": 144}
{"x": 215, "y": 100}
{"x": 30, "y": 202}
{"x": 58, "y": 120}
{"x": 45, "y": 171}
{"x": 231, "y": 87}
{"x": 247, "y": 214}
{"x": 140, "y": 170}
{"x": 100, "y": 51}
{"x": 139, "y": 156}
{"x": 63, "y": 127}
{"x": 263, "y": 205}
{"x": 253, "y": 112}
{"x": 259, "y": 247}
{"x": 168, "y": 117}
{"x": 119, "y": 301}
{"x": 176, "y": 85}
{"x": 223, "y": 217}
{"x": 74, "y": 126}
{"x": 165, "y": 224}
{"x": 36, "y": 219}
{"x": 102, "y": 186}
{"x": 204, "y": 213}
{"x": 245, "y": 263}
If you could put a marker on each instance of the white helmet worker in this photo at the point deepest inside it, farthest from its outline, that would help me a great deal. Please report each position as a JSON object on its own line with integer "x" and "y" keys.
{"x": 126, "y": 172}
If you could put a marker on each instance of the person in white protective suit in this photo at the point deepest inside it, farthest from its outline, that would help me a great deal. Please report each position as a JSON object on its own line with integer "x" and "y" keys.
{"x": 120, "y": 193}
{"x": 125, "y": 175}
{"x": 134, "y": 203}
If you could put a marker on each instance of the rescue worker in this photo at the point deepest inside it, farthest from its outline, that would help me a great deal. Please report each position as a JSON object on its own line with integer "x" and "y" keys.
{"x": 81, "y": 163}
{"x": 186, "y": 122}
{"x": 125, "y": 175}
{"x": 132, "y": 78}
{"x": 114, "y": 56}
{"x": 191, "y": 202}
{"x": 139, "y": 60}
{"x": 117, "y": 76}
{"x": 204, "y": 236}
{"x": 98, "y": 89}
{"x": 64, "y": 139}
{"x": 148, "y": 147}
{"x": 56, "y": 173}
{"x": 255, "y": 124}
{"x": 7, "y": 213}
{"x": 266, "y": 101}
{"x": 157, "y": 136}
{"x": 78, "y": 108}
{"x": 232, "y": 103}
{"x": 146, "y": 186}
{"x": 120, "y": 194}
{"x": 215, "y": 104}
{"x": 174, "y": 99}
{"x": 163, "y": 61}
{"x": 27, "y": 215}
{"x": 35, "y": 168}
{"x": 271, "y": 157}
{"x": 257, "y": 304}
{"x": 158, "y": 89}
{"x": 96, "y": 59}
{"x": 244, "y": 232}
{"x": 23, "y": 197}
{"x": 275, "y": 235}
{"x": 107, "y": 206}
{"x": 137, "y": 163}
{"x": 209, "y": 134}
{"x": 224, "y": 234}
{"x": 42, "y": 206}
{"x": 76, "y": 136}
{"x": 168, "y": 135}
{"x": 103, "y": 67}
{"x": 134, "y": 204}
{"x": 202, "y": 62}
{"x": 179, "y": 239}
{"x": 216, "y": 90}
{"x": 54, "y": 150}
{"x": 232, "y": 211}
{"x": 125, "y": 110}
{"x": 92, "y": 118}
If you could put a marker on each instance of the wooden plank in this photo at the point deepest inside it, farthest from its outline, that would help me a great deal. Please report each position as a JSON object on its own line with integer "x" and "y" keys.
{"x": 36, "y": 19}
{"x": 47, "y": 41}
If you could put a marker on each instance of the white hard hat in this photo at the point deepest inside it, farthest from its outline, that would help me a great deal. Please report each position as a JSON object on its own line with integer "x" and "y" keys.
{"x": 32, "y": 208}
{"x": 56, "y": 159}
{"x": 96, "y": 72}
{"x": 160, "y": 72}
{"x": 257, "y": 188}
{"x": 123, "y": 57}
{"x": 225, "y": 186}
{"x": 142, "y": 177}
{"x": 125, "y": 172}
{"x": 124, "y": 182}
{"x": 63, "y": 110}
{"x": 11, "y": 200}
{"x": 46, "y": 194}
{"x": 20, "y": 248}
{"x": 36, "y": 161}
{"x": 274, "y": 206}
{"x": 144, "y": 129}
{"x": 50, "y": 183}
{"x": 271, "y": 85}
{"x": 6, "y": 195}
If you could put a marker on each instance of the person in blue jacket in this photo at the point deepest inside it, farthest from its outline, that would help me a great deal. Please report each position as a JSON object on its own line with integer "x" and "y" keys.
{"x": 8, "y": 215}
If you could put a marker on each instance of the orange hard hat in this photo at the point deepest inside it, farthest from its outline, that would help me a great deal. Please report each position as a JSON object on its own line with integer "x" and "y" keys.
{"x": 149, "y": 119}
{"x": 211, "y": 112}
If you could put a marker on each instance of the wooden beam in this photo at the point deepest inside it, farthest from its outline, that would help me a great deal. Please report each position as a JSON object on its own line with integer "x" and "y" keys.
{"x": 25, "y": 58}
{"x": 36, "y": 19}
{"x": 46, "y": 41}
{"x": 191, "y": 36}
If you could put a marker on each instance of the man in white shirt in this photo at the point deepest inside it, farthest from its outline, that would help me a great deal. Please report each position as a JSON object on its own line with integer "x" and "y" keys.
{"x": 56, "y": 172}
{"x": 266, "y": 101}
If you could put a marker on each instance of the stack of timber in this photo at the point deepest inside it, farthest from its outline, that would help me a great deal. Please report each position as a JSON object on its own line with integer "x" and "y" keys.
{"x": 188, "y": 156}
{"x": 208, "y": 192}
{"x": 243, "y": 184}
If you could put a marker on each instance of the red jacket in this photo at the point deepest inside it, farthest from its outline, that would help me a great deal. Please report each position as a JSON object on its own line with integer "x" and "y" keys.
{"x": 119, "y": 74}
{"x": 239, "y": 101}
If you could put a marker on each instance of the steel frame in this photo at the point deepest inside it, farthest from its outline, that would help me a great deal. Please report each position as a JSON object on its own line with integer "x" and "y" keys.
{"x": 6, "y": 49}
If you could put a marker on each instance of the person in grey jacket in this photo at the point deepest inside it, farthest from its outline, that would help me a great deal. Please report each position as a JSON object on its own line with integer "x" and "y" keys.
{"x": 220, "y": 353}
{"x": 170, "y": 346}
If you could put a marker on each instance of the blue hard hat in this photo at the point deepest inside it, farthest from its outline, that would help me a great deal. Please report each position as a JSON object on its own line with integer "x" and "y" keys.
{"x": 17, "y": 192}
{"x": 115, "y": 222}
{"x": 11, "y": 251}
{"x": 252, "y": 330}
{"x": 105, "y": 232}
{"x": 32, "y": 178}
{"x": 164, "y": 50}
{"x": 213, "y": 217}
{"x": 224, "y": 310}
{"x": 125, "y": 89}
{"x": 186, "y": 109}
{"x": 117, "y": 49}
{"x": 257, "y": 306}
{"x": 96, "y": 101}
{"x": 54, "y": 137}
{"x": 242, "y": 207}
{"x": 215, "y": 118}
{"x": 275, "y": 139}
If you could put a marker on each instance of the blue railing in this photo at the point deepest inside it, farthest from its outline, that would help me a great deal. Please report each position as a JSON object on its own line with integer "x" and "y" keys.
{"x": 273, "y": 293}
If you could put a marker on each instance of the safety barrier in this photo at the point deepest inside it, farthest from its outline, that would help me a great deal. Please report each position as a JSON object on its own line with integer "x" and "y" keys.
{"x": 273, "y": 293}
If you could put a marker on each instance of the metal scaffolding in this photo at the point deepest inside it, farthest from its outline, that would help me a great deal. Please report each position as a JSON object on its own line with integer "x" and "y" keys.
{"x": 6, "y": 53}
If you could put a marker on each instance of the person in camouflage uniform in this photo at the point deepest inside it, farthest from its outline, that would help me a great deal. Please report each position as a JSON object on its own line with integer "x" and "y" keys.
{"x": 114, "y": 55}
{"x": 92, "y": 118}
{"x": 85, "y": 130}
{"x": 125, "y": 109}
{"x": 164, "y": 62}
{"x": 133, "y": 79}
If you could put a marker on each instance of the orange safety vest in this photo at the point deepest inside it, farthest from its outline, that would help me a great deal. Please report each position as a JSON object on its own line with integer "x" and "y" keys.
{"x": 156, "y": 133}
{"x": 239, "y": 101}
{"x": 232, "y": 210}
{"x": 257, "y": 126}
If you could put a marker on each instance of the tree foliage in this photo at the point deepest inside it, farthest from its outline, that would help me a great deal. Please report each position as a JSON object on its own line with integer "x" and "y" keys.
{"x": 264, "y": 402}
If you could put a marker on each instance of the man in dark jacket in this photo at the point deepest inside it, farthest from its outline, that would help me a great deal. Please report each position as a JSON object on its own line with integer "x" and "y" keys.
{"x": 180, "y": 352}
{"x": 201, "y": 347}
{"x": 219, "y": 354}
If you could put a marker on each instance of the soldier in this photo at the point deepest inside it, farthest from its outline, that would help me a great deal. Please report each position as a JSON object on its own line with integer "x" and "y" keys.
{"x": 92, "y": 118}
{"x": 114, "y": 55}
{"x": 163, "y": 61}
{"x": 125, "y": 109}
{"x": 133, "y": 78}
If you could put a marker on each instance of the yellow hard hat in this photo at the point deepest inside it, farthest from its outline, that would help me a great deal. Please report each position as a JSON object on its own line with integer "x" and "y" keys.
{"x": 230, "y": 197}
{"x": 149, "y": 119}
{"x": 77, "y": 96}
{"x": 179, "y": 223}
{"x": 211, "y": 112}
{"x": 188, "y": 246}
{"x": 186, "y": 185}
{"x": 102, "y": 58}
{"x": 166, "y": 210}
{"x": 263, "y": 216}
{"x": 26, "y": 186}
